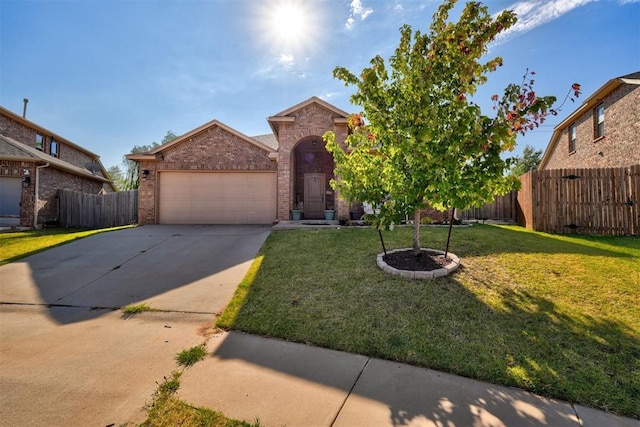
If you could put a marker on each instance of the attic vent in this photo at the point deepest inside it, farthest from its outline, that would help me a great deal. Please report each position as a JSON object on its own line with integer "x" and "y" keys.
{"x": 92, "y": 167}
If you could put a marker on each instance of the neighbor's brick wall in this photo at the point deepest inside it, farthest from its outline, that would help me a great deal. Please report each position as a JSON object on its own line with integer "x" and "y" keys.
{"x": 17, "y": 131}
{"x": 310, "y": 121}
{"x": 213, "y": 149}
{"x": 620, "y": 145}
{"x": 27, "y": 199}
{"x": 52, "y": 180}
{"x": 27, "y": 136}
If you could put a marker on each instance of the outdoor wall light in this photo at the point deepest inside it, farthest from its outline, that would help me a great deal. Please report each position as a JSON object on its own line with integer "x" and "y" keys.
{"x": 26, "y": 181}
{"x": 145, "y": 173}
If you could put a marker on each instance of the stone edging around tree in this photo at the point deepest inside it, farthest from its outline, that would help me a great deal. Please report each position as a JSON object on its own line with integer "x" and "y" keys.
{"x": 410, "y": 274}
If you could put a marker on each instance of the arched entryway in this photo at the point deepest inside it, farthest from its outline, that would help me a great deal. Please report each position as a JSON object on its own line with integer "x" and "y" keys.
{"x": 313, "y": 169}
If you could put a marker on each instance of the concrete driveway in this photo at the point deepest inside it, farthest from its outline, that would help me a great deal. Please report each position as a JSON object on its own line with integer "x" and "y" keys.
{"x": 68, "y": 357}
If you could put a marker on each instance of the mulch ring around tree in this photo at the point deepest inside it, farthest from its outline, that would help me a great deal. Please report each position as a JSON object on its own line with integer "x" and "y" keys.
{"x": 427, "y": 260}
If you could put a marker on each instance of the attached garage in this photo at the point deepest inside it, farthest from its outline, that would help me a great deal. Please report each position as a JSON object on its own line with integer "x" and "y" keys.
{"x": 10, "y": 195}
{"x": 215, "y": 174}
{"x": 216, "y": 197}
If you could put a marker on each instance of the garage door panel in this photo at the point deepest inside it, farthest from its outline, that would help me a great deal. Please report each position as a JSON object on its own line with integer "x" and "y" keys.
{"x": 217, "y": 198}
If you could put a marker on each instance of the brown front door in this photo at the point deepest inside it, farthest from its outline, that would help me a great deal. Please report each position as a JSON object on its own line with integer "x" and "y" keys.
{"x": 314, "y": 188}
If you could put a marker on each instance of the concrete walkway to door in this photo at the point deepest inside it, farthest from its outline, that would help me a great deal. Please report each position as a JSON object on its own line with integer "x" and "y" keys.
{"x": 67, "y": 357}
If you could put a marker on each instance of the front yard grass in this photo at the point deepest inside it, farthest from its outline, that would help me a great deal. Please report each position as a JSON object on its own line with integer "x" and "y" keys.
{"x": 556, "y": 315}
{"x": 16, "y": 245}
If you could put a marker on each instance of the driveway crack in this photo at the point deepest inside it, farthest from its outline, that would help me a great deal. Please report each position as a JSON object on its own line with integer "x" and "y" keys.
{"x": 113, "y": 268}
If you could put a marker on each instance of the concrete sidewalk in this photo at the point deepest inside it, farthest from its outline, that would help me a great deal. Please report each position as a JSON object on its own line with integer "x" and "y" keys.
{"x": 69, "y": 357}
{"x": 281, "y": 383}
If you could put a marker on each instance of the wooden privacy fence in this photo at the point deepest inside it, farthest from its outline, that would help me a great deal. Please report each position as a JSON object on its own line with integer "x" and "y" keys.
{"x": 98, "y": 210}
{"x": 503, "y": 208}
{"x": 601, "y": 201}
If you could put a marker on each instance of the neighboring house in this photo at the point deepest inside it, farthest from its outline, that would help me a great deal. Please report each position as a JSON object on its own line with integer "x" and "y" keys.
{"x": 603, "y": 132}
{"x": 34, "y": 164}
{"x": 217, "y": 175}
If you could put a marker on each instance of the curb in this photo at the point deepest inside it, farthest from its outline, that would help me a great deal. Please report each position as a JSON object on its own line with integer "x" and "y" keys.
{"x": 426, "y": 275}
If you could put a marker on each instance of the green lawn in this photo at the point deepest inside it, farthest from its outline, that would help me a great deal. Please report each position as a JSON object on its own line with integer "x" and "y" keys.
{"x": 16, "y": 245}
{"x": 556, "y": 315}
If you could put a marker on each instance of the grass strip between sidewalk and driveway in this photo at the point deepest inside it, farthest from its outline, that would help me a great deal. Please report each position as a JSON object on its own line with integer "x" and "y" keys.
{"x": 557, "y": 315}
{"x": 20, "y": 244}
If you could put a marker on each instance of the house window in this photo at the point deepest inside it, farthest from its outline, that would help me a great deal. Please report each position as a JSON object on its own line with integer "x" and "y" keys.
{"x": 39, "y": 142}
{"x": 54, "y": 148}
{"x": 599, "y": 121}
{"x": 572, "y": 138}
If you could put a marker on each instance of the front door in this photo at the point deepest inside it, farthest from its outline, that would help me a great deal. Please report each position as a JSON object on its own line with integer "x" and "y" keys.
{"x": 314, "y": 189}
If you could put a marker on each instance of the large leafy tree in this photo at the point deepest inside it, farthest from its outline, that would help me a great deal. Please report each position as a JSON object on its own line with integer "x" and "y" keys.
{"x": 420, "y": 140}
{"x": 529, "y": 160}
{"x": 116, "y": 176}
{"x": 132, "y": 169}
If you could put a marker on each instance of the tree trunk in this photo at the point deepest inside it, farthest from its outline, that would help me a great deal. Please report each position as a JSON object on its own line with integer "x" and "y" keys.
{"x": 416, "y": 232}
{"x": 446, "y": 249}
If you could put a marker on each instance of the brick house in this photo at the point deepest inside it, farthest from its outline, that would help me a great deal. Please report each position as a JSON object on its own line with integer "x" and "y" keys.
{"x": 603, "y": 132}
{"x": 217, "y": 175}
{"x": 34, "y": 164}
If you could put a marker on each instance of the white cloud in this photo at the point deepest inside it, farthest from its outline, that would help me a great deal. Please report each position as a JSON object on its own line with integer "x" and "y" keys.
{"x": 357, "y": 11}
{"x": 533, "y": 13}
{"x": 327, "y": 96}
{"x": 350, "y": 22}
{"x": 286, "y": 60}
{"x": 623, "y": 2}
{"x": 284, "y": 66}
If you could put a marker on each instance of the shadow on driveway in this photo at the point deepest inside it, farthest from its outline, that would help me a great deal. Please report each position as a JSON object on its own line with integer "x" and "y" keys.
{"x": 177, "y": 268}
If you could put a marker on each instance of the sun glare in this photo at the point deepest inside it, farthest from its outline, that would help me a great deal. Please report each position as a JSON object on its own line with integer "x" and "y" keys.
{"x": 288, "y": 21}
{"x": 288, "y": 27}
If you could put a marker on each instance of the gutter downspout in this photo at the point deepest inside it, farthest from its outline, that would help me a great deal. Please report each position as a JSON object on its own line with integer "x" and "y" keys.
{"x": 35, "y": 210}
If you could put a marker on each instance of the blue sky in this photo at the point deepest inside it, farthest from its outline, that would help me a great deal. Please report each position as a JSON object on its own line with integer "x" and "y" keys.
{"x": 111, "y": 74}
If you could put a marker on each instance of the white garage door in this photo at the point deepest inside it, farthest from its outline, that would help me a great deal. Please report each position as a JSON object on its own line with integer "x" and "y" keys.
{"x": 217, "y": 198}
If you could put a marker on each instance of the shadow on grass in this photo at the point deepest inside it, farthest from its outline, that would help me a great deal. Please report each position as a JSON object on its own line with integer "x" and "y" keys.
{"x": 331, "y": 294}
{"x": 489, "y": 239}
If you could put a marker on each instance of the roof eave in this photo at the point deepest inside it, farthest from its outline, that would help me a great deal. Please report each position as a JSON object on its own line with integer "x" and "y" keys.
{"x": 140, "y": 157}
{"x": 274, "y": 120}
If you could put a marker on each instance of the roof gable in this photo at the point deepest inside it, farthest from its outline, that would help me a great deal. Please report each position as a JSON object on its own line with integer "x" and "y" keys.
{"x": 288, "y": 115}
{"x": 313, "y": 100}
{"x": 214, "y": 123}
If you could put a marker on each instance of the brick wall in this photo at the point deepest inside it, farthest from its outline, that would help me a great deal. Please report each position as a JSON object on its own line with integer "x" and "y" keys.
{"x": 17, "y": 131}
{"x": 50, "y": 179}
{"x": 620, "y": 145}
{"x": 311, "y": 122}
{"x": 27, "y": 135}
{"x": 213, "y": 149}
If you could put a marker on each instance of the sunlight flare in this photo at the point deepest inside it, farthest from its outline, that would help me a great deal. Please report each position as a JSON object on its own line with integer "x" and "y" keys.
{"x": 288, "y": 29}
